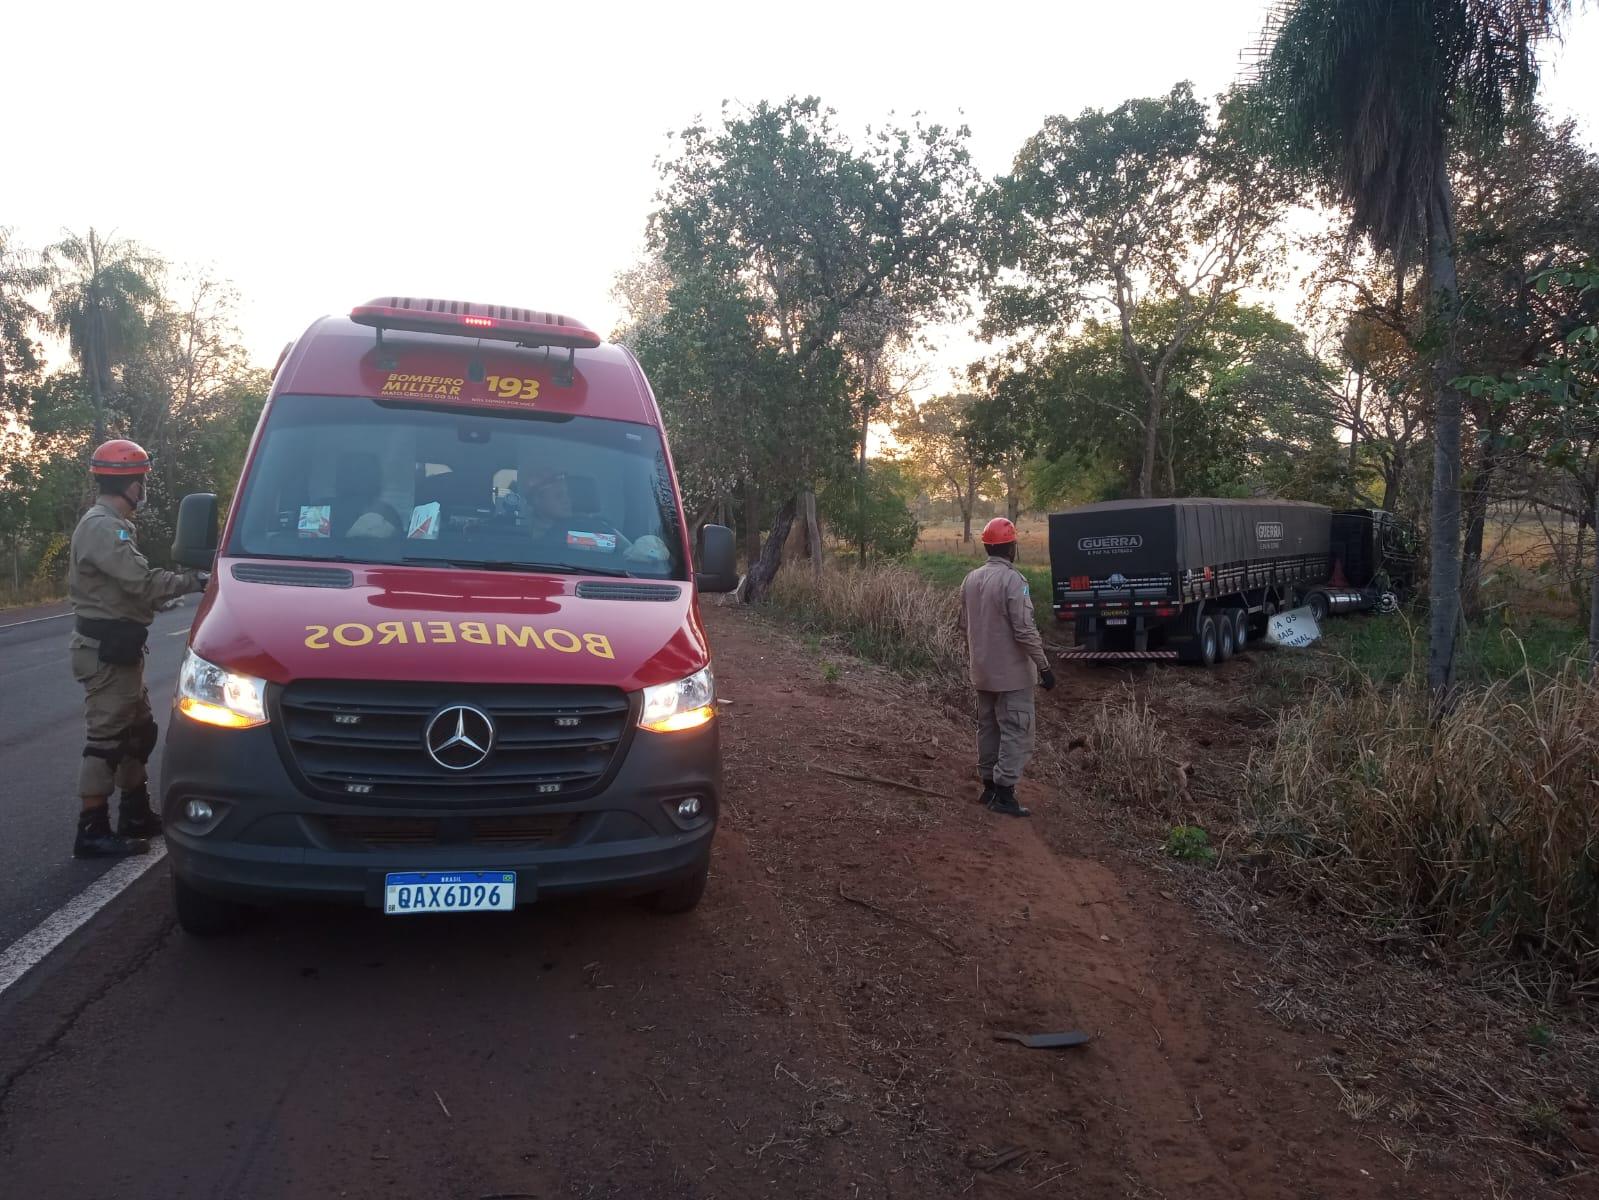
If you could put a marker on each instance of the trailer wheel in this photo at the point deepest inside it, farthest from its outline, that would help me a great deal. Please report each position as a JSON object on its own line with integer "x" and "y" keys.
{"x": 1224, "y": 637}
{"x": 1209, "y": 642}
{"x": 1319, "y": 606}
{"x": 1240, "y": 630}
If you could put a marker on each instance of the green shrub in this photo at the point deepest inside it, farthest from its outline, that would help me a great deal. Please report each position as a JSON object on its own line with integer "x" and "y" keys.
{"x": 891, "y": 527}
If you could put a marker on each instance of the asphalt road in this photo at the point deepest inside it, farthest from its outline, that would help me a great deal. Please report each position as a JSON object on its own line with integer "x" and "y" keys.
{"x": 41, "y": 742}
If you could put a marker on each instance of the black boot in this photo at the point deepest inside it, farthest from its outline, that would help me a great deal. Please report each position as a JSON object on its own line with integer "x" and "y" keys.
{"x": 988, "y": 792}
{"x": 1004, "y": 802}
{"x": 135, "y": 817}
{"x": 95, "y": 839}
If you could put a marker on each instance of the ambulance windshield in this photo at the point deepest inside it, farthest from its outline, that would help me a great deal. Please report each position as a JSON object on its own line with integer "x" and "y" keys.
{"x": 372, "y": 481}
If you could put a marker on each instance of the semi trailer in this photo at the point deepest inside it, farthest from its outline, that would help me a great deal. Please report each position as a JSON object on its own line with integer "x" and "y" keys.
{"x": 1198, "y": 579}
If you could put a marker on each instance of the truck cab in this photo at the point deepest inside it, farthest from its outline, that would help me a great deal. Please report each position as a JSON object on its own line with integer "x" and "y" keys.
{"x": 450, "y": 658}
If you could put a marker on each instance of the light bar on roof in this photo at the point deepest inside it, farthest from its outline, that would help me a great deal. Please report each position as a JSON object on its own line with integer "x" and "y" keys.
{"x": 459, "y": 318}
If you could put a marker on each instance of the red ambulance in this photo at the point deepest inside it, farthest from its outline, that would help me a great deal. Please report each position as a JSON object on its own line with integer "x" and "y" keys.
{"x": 451, "y": 657}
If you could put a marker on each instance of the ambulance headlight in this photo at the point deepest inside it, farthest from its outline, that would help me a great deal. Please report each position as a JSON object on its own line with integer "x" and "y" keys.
{"x": 212, "y": 696}
{"x": 685, "y": 704}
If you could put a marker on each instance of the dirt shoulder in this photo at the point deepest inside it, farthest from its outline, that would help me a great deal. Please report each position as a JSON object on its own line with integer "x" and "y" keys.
{"x": 912, "y": 926}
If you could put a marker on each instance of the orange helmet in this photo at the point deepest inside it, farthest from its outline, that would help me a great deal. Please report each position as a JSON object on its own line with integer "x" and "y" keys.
{"x": 120, "y": 457}
{"x": 999, "y": 532}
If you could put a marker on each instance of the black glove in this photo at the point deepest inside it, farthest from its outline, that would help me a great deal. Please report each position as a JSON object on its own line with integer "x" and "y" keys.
{"x": 1047, "y": 678}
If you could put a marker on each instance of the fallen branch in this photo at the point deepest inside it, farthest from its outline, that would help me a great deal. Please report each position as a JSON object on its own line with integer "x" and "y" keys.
{"x": 881, "y": 782}
{"x": 905, "y": 921}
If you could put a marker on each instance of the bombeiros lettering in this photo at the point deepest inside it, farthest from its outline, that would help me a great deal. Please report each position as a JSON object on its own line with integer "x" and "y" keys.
{"x": 354, "y": 634}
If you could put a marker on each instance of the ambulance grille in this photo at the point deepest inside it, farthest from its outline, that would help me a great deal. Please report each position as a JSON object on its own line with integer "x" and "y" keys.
{"x": 517, "y": 830}
{"x": 361, "y": 741}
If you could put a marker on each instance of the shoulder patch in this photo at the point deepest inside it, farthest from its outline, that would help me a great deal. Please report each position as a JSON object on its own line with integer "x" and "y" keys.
{"x": 124, "y": 536}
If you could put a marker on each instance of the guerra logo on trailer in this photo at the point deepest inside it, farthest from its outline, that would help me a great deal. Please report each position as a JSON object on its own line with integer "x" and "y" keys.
{"x": 1269, "y": 531}
{"x": 1109, "y": 543}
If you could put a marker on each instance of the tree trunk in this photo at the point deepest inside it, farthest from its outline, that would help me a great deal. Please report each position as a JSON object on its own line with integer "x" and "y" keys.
{"x": 813, "y": 534}
{"x": 1593, "y": 596}
{"x": 1475, "y": 516}
{"x": 1013, "y": 494}
{"x": 860, "y": 475}
{"x": 1445, "y": 542}
{"x": 1146, "y": 468}
{"x": 968, "y": 500}
{"x": 1354, "y": 432}
{"x": 752, "y": 525}
{"x": 763, "y": 569}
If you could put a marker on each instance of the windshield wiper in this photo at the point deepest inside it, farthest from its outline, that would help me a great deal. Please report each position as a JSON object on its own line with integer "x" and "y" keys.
{"x": 506, "y": 564}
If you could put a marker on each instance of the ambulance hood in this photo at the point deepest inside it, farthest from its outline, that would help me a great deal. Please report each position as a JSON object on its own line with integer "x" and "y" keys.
{"x": 284, "y": 621}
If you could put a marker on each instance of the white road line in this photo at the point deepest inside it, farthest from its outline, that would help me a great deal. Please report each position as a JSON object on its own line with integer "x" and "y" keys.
{"x": 17, "y": 959}
{"x": 35, "y": 621}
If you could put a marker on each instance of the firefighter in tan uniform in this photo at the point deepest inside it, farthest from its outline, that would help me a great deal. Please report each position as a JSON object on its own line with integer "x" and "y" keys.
{"x": 1007, "y": 662}
{"x": 114, "y": 594}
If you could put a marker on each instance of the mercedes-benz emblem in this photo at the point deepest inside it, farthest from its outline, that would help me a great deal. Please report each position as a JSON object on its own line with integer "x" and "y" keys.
{"x": 459, "y": 738}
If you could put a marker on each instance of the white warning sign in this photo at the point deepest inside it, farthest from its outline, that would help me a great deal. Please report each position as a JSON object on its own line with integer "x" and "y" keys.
{"x": 1296, "y": 627}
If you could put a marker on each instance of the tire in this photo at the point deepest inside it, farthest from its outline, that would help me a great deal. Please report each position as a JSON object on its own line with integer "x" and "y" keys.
{"x": 1240, "y": 630}
{"x": 201, "y": 914}
{"x": 1318, "y": 606}
{"x": 1209, "y": 643}
{"x": 682, "y": 896}
{"x": 1224, "y": 637}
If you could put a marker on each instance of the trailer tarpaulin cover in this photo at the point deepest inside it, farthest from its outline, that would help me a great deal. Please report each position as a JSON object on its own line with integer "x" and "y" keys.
{"x": 1144, "y": 538}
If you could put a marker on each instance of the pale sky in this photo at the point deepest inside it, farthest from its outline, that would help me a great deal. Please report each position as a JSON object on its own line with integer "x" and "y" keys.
{"x": 322, "y": 154}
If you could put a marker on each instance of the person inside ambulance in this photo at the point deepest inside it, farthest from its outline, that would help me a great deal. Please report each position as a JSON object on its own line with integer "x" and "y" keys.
{"x": 565, "y": 519}
{"x": 359, "y": 510}
{"x": 115, "y": 594}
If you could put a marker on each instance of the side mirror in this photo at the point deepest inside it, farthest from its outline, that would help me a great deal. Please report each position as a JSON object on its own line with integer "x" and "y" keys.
{"x": 718, "y": 555}
{"x": 194, "y": 541}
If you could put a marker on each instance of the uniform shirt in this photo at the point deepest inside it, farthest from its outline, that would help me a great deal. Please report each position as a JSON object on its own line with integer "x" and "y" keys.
{"x": 109, "y": 579}
{"x": 997, "y": 617}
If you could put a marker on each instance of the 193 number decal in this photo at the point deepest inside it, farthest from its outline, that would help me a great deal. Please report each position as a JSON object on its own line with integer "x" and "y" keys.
{"x": 509, "y": 387}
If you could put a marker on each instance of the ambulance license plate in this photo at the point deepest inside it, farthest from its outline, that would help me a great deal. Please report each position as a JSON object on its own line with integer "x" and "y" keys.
{"x": 409, "y": 892}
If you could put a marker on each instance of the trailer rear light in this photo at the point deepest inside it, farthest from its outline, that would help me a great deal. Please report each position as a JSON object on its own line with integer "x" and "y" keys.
{"x": 1165, "y": 612}
{"x": 1080, "y": 583}
{"x": 525, "y": 327}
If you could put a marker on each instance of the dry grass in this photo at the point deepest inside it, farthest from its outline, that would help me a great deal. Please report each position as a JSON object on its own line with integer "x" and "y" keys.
{"x": 886, "y": 613}
{"x": 1481, "y": 828}
{"x": 30, "y": 593}
{"x": 1032, "y": 536}
{"x": 1134, "y": 760}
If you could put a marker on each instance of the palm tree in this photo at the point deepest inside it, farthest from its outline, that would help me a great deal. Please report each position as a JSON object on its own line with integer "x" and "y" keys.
{"x": 98, "y": 299}
{"x": 1368, "y": 95}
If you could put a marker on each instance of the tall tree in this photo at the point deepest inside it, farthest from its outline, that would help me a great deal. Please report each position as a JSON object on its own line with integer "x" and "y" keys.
{"x": 778, "y": 208}
{"x": 1559, "y": 396}
{"x": 942, "y": 443}
{"x": 1368, "y": 95}
{"x": 99, "y": 300}
{"x": 1106, "y": 212}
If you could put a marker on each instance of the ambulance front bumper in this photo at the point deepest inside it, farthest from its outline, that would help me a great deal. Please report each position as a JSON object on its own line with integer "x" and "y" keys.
{"x": 267, "y": 840}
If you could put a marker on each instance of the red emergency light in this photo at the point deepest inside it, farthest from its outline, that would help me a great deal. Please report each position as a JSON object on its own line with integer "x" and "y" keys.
{"x": 462, "y": 319}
